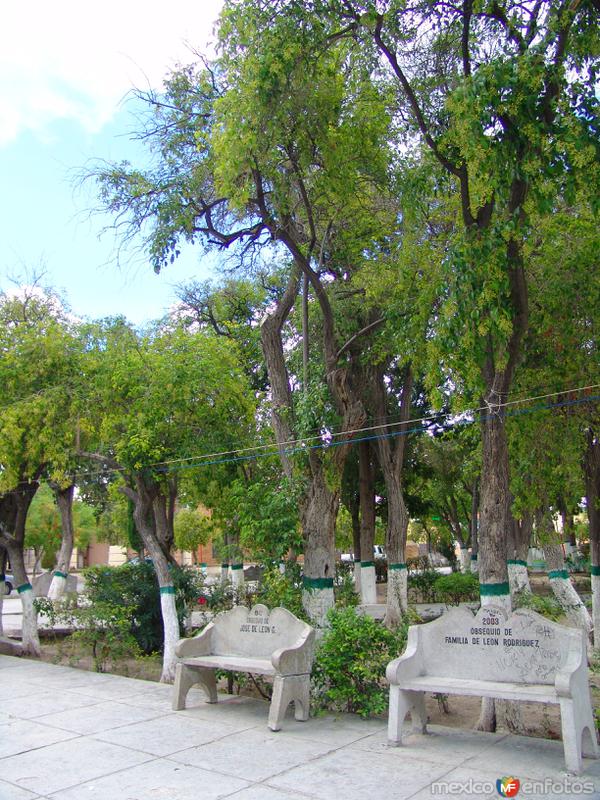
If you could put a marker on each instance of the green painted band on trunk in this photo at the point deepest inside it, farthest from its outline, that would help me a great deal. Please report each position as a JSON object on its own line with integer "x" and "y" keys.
{"x": 558, "y": 573}
{"x": 397, "y": 566}
{"x": 203, "y": 565}
{"x": 595, "y": 570}
{"x": 494, "y": 589}
{"x": 237, "y": 566}
{"x": 224, "y": 566}
{"x": 517, "y": 561}
{"x": 58, "y": 574}
{"x": 473, "y": 556}
{"x": 367, "y": 563}
{"x": 167, "y": 590}
{"x": 2, "y": 576}
{"x": 24, "y": 587}
{"x": 316, "y": 583}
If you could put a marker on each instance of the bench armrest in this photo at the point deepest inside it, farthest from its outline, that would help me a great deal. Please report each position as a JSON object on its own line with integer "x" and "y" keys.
{"x": 573, "y": 671}
{"x": 410, "y": 663}
{"x": 296, "y": 659}
{"x": 199, "y": 645}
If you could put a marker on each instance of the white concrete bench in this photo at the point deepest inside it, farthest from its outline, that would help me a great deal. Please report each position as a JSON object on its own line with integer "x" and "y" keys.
{"x": 521, "y": 657}
{"x": 258, "y": 641}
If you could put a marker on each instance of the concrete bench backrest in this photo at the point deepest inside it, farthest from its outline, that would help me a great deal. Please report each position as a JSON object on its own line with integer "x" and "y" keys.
{"x": 521, "y": 648}
{"x": 255, "y": 632}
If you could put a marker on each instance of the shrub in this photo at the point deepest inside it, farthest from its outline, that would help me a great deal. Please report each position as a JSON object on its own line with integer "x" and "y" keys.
{"x": 349, "y": 669}
{"x": 456, "y": 588}
{"x": 546, "y": 606}
{"x": 135, "y": 588}
{"x": 105, "y": 630}
{"x": 282, "y": 589}
{"x": 344, "y": 588}
{"x": 422, "y": 586}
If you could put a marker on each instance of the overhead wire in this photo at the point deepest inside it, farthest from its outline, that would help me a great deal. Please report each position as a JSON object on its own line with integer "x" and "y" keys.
{"x": 294, "y": 446}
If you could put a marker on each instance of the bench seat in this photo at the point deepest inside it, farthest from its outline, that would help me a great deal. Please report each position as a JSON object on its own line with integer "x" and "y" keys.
{"x": 256, "y": 666}
{"x": 258, "y": 641}
{"x": 528, "y": 693}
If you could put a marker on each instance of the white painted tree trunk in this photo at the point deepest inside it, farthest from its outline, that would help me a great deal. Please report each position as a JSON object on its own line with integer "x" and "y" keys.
{"x": 474, "y": 564}
{"x": 224, "y": 573}
{"x": 567, "y": 596}
{"x": 368, "y": 584}
{"x": 465, "y": 559}
{"x": 317, "y": 601}
{"x": 501, "y": 601}
{"x": 596, "y": 609}
{"x": 58, "y": 586}
{"x": 518, "y": 577}
{"x": 357, "y": 570}
{"x": 172, "y": 635}
{"x": 30, "y": 637}
{"x": 237, "y": 578}
{"x": 397, "y": 600}
{"x": 2, "y": 590}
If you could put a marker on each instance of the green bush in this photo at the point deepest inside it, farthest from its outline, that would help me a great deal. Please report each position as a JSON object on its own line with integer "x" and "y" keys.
{"x": 105, "y": 630}
{"x": 422, "y": 586}
{"x": 135, "y": 588}
{"x": 546, "y": 606}
{"x": 282, "y": 589}
{"x": 349, "y": 669}
{"x": 458, "y": 587}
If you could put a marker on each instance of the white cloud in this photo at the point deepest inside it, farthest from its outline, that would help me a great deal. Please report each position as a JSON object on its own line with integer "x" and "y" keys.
{"x": 72, "y": 59}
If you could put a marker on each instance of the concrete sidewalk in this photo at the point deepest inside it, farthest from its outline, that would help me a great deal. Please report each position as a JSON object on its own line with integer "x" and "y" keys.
{"x": 74, "y": 735}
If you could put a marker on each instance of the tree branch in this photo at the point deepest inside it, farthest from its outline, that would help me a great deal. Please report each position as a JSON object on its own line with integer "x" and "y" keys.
{"x": 367, "y": 329}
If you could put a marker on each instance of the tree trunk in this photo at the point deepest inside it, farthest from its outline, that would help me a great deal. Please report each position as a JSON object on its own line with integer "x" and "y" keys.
{"x": 144, "y": 498}
{"x": 496, "y": 517}
{"x": 517, "y": 552}
{"x": 3, "y": 560}
{"x": 366, "y": 482}
{"x": 64, "y": 501}
{"x": 318, "y": 516}
{"x": 474, "y": 522}
{"x": 14, "y": 506}
{"x": 354, "y": 508}
{"x": 563, "y": 589}
{"x": 390, "y": 454}
{"x": 591, "y": 469}
{"x": 465, "y": 558}
{"x": 397, "y": 592}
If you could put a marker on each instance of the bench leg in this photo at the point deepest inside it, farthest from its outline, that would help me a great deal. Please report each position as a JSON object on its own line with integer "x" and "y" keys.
{"x": 186, "y": 677}
{"x": 286, "y": 689}
{"x": 578, "y": 733}
{"x": 401, "y": 702}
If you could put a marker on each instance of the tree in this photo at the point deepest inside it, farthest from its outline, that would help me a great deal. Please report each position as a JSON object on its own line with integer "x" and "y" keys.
{"x": 156, "y": 401}
{"x": 38, "y": 372}
{"x": 191, "y": 530}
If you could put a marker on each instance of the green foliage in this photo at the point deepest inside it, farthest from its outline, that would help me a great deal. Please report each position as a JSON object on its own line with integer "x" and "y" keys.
{"x": 191, "y": 529}
{"x": 104, "y": 629}
{"x": 547, "y": 606}
{"x": 429, "y": 586}
{"x": 458, "y": 587}
{"x": 344, "y": 589}
{"x": 282, "y": 589}
{"x": 422, "y": 586}
{"x": 134, "y": 587}
{"x": 349, "y": 669}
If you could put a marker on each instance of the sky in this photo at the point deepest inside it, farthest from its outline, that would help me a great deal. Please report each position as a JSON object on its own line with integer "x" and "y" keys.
{"x": 67, "y": 70}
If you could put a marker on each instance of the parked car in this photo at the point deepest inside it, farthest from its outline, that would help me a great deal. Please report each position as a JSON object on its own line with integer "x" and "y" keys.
{"x": 9, "y": 583}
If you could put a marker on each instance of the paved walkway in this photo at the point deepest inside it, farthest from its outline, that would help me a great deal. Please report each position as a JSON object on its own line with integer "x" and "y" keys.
{"x": 75, "y": 735}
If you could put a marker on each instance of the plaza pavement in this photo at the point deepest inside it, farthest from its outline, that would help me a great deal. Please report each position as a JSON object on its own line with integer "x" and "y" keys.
{"x": 75, "y": 735}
